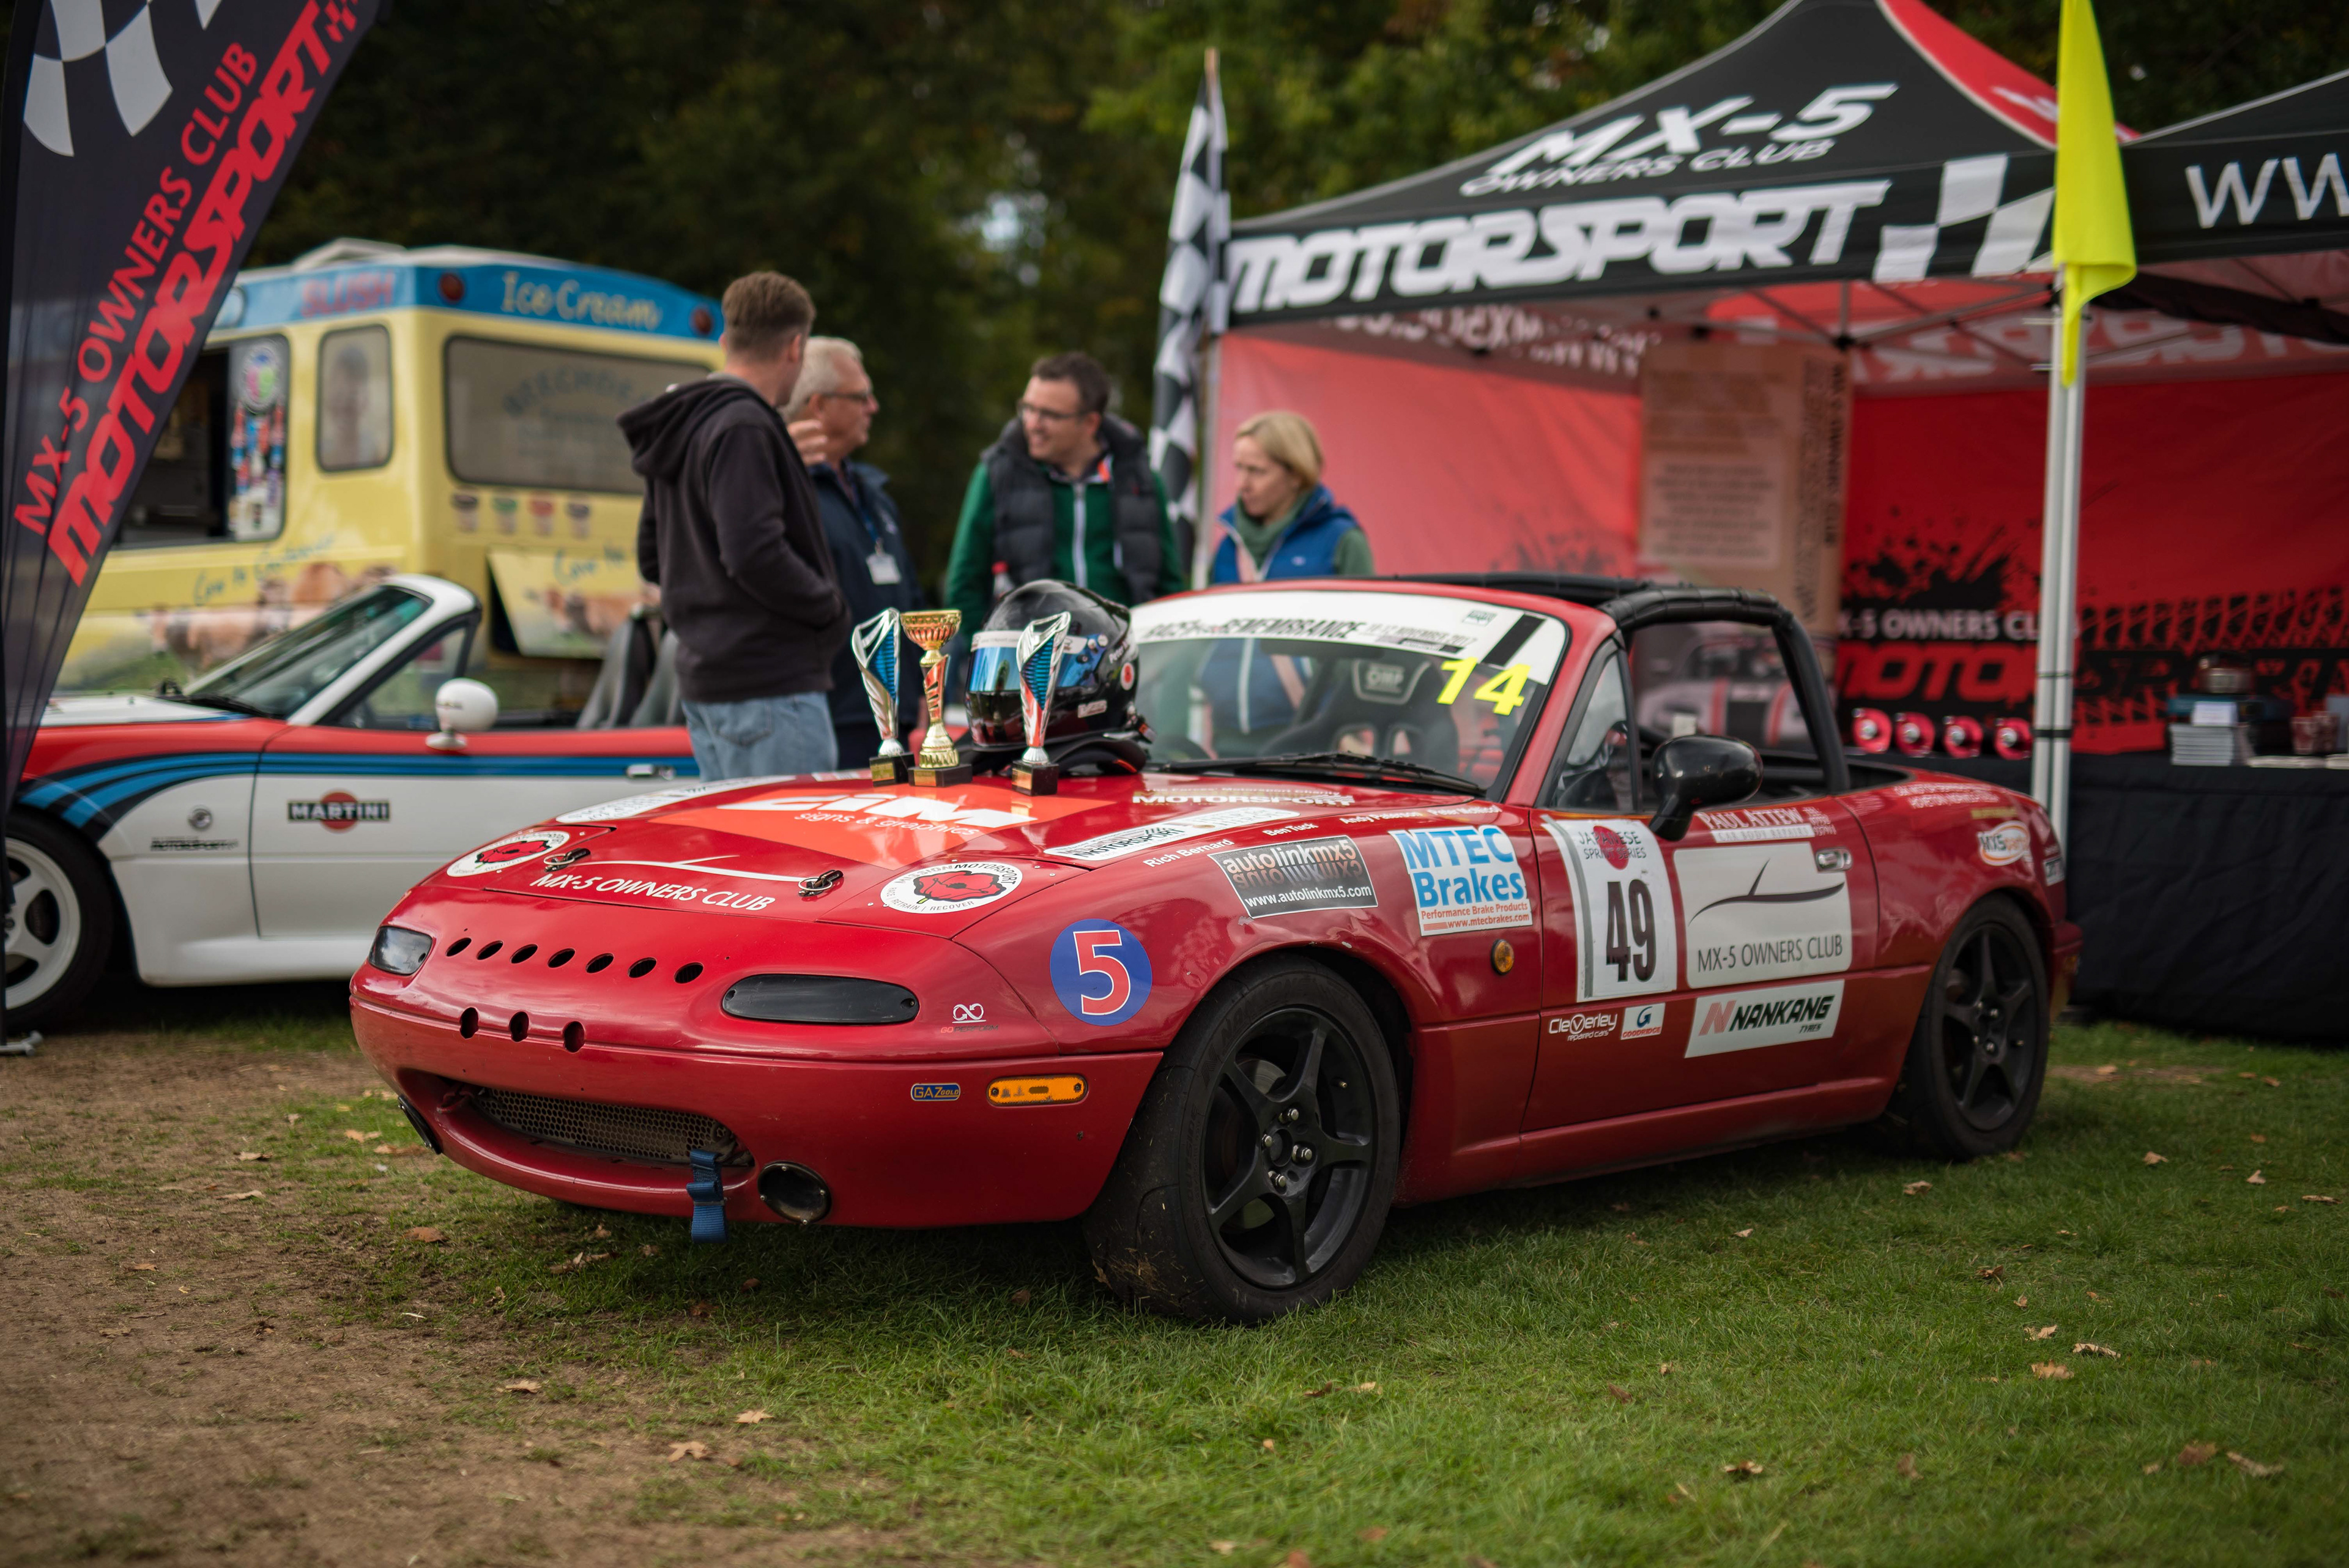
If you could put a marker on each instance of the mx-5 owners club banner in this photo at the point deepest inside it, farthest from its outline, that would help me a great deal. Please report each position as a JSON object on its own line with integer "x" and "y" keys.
{"x": 144, "y": 142}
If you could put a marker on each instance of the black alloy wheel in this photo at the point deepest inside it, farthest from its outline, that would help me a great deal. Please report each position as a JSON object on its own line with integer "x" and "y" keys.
{"x": 1258, "y": 1170}
{"x": 1978, "y": 1059}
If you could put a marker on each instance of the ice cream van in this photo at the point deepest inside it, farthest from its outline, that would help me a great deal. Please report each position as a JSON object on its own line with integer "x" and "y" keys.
{"x": 370, "y": 410}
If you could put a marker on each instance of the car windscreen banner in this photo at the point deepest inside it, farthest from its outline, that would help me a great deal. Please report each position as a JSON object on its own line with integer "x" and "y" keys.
{"x": 144, "y": 142}
{"x": 1840, "y": 138}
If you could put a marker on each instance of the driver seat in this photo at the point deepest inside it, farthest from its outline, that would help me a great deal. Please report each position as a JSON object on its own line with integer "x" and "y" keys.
{"x": 1416, "y": 728}
{"x": 631, "y": 658}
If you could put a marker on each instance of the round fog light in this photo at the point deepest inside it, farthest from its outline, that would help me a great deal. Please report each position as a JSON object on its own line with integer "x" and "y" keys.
{"x": 795, "y": 1192}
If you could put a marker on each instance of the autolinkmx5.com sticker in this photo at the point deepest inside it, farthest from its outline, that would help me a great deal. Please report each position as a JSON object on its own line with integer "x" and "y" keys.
{"x": 1302, "y": 873}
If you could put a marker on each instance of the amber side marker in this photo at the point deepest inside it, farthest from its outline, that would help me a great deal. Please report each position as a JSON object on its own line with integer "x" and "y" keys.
{"x": 1064, "y": 1089}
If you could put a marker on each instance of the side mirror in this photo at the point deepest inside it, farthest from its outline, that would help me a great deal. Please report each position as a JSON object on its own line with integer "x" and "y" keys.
{"x": 1696, "y": 771}
{"x": 463, "y": 707}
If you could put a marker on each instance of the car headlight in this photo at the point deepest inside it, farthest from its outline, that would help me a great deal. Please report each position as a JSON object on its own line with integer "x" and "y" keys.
{"x": 819, "y": 999}
{"x": 399, "y": 950}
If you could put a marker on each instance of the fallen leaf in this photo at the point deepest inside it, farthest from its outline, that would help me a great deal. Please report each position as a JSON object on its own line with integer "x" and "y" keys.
{"x": 1021, "y": 1297}
{"x": 1297, "y": 1559}
{"x": 248, "y": 1155}
{"x": 1373, "y": 1387}
{"x": 294, "y": 1116}
{"x": 2047, "y": 1332}
{"x": 579, "y": 1260}
{"x": 2153, "y": 1466}
{"x": 2106, "y": 1071}
{"x": 2247, "y": 1075}
{"x": 2194, "y": 1454}
{"x": 113, "y": 1333}
{"x": 1747, "y": 1231}
{"x": 1016, "y": 1355}
{"x": 2317, "y": 1197}
{"x": 751, "y": 1418}
{"x": 649, "y": 1251}
{"x": 1375, "y": 1533}
{"x": 2255, "y": 1180}
{"x": 1742, "y": 1469}
{"x": 2329, "y": 1291}
{"x": 1906, "y": 1467}
{"x": 426, "y": 1234}
{"x": 2051, "y": 1369}
{"x": 1995, "y": 1271}
{"x": 520, "y": 1385}
{"x": 2153, "y": 1158}
{"x": 355, "y": 1135}
{"x": 1316, "y": 1393}
{"x": 2023, "y": 1300}
{"x": 2014, "y": 1155}
{"x": 1268, "y": 1445}
{"x": 689, "y": 1450}
{"x": 749, "y": 1285}
{"x": 262, "y": 1326}
{"x": 2283, "y": 1207}
{"x": 1914, "y": 1188}
{"x": 383, "y": 1148}
{"x": 1620, "y": 1208}
{"x": 2259, "y": 1137}
{"x": 699, "y": 1309}
{"x": 144, "y": 1268}
{"x": 241, "y": 1197}
{"x": 1620, "y": 1395}
{"x": 1665, "y": 1368}
{"x": 2273, "y": 1083}
{"x": 1225, "y": 1547}
{"x": 2086, "y": 1348}
{"x": 2252, "y": 1466}
{"x": 600, "y": 1235}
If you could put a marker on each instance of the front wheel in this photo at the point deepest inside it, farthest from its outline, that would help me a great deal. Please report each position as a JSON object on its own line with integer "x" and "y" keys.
{"x": 59, "y": 921}
{"x": 1979, "y": 1056}
{"x": 1256, "y": 1176}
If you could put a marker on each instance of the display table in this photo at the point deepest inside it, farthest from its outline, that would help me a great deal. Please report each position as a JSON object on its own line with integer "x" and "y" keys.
{"x": 2209, "y": 899}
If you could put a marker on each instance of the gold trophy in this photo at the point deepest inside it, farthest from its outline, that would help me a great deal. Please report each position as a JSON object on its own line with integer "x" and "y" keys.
{"x": 939, "y": 763}
{"x": 873, "y": 646}
{"x": 1038, "y": 669}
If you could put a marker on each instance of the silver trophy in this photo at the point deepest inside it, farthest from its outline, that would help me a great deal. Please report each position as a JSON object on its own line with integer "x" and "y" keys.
{"x": 1038, "y": 654}
{"x": 873, "y": 646}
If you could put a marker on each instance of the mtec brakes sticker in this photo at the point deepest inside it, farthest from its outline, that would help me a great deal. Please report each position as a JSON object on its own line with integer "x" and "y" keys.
{"x": 1463, "y": 879}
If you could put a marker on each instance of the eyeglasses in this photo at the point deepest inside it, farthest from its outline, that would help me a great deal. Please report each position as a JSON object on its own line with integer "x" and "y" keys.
{"x": 1050, "y": 416}
{"x": 865, "y": 397}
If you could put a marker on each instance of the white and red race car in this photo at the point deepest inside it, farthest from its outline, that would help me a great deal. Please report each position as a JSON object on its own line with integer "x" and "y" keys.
{"x": 257, "y": 826}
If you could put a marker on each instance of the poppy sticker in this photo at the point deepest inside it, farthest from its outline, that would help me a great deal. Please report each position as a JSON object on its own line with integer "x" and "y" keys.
{"x": 947, "y": 889}
{"x": 511, "y": 850}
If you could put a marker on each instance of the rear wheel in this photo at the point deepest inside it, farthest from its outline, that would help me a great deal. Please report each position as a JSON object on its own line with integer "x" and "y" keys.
{"x": 59, "y": 921}
{"x": 1258, "y": 1172}
{"x": 1979, "y": 1056}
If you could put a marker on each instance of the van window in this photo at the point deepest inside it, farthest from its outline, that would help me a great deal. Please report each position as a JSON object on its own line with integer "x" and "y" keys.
{"x": 219, "y": 466}
{"x": 354, "y": 399}
{"x": 521, "y": 415}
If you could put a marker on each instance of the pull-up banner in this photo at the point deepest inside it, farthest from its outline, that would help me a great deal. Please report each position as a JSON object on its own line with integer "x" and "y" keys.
{"x": 1840, "y": 138}
{"x": 144, "y": 141}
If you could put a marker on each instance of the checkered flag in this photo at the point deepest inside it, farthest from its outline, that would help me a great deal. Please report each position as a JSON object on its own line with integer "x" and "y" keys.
{"x": 1971, "y": 188}
{"x": 118, "y": 41}
{"x": 1190, "y": 305}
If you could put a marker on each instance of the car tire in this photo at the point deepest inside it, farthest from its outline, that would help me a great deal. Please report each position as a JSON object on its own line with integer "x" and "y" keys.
{"x": 59, "y": 922}
{"x": 1978, "y": 1058}
{"x": 1257, "y": 1173}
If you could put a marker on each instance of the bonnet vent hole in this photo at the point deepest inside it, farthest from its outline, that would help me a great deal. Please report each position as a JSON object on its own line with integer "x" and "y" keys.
{"x": 519, "y": 1026}
{"x": 522, "y": 954}
{"x": 468, "y": 1021}
{"x": 600, "y": 961}
{"x": 459, "y": 945}
{"x": 488, "y": 953}
{"x": 562, "y": 957}
{"x": 641, "y": 968}
{"x": 574, "y": 1036}
{"x": 688, "y": 973}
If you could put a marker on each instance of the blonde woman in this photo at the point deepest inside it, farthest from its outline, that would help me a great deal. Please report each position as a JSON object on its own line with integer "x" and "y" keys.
{"x": 1285, "y": 523}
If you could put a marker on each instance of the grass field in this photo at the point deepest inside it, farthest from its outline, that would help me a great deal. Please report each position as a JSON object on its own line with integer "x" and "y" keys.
{"x": 1897, "y": 1357}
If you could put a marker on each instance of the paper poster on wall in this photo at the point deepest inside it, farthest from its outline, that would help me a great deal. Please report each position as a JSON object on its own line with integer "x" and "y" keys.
{"x": 1742, "y": 467}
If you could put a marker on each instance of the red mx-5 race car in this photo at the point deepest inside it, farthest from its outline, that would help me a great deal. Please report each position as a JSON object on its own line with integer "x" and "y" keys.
{"x": 1400, "y": 904}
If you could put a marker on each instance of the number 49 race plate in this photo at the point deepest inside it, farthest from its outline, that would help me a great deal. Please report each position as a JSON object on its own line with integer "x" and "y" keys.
{"x": 1626, "y": 934}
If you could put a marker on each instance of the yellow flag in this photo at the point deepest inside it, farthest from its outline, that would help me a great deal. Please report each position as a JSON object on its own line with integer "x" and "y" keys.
{"x": 2093, "y": 244}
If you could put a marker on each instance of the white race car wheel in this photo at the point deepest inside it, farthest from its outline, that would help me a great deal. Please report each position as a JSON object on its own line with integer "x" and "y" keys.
{"x": 59, "y": 922}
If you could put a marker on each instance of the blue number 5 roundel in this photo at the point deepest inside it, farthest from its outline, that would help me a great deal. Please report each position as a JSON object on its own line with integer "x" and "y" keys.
{"x": 1101, "y": 972}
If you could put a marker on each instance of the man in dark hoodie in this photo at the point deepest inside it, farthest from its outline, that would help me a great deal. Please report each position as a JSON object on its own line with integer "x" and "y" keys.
{"x": 732, "y": 534}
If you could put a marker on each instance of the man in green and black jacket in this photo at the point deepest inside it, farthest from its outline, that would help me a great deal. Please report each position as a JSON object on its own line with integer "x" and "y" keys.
{"x": 1067, "y": 492}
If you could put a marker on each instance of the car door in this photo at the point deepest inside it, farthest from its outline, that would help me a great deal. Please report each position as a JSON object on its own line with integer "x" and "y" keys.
{"x": 349, "y": 815}
{"x": 1709, "y": 969}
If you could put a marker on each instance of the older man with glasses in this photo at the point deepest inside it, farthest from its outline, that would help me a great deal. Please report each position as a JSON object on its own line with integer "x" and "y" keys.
{"x": 1067, "y": 492}
{"x": 831, "y": 417}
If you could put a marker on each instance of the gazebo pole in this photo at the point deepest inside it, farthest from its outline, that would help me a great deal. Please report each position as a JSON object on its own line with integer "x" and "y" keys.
{"x": 2059, "y": 561}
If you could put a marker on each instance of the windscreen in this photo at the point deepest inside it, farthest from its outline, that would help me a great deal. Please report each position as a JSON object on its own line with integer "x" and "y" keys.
{"x": 287, "y": 671}
{"x": 1447, "y": 683}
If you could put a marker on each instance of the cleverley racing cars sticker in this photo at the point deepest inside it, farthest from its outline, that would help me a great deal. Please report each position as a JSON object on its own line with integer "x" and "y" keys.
{"x": 1100, "y": 971}
{"x": 1779, "y": 1015}
{"x": 945, "y": 889}
{"x": 1463, "y": 879}
{"x": 1302, "y": 873}
{"x": 1626, "y": 936}
{"x": 511, "y": 850}
{"x": 1762, "y": 911}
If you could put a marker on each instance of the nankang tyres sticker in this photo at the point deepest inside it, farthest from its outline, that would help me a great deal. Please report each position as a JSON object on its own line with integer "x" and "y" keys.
{"x": 1627, "y": 938}
{"x": 1762, "y": 911}
{"x": 1302, "y": 873}
{"x": 1780, "y": 1015}
{"x": 1463, "y": 879}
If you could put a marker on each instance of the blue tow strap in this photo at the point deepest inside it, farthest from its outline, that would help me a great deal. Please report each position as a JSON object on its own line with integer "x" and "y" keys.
{"x": 709, "y": 1195}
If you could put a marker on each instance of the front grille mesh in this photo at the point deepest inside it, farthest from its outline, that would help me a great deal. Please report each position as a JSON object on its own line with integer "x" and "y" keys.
{"x": 621, "y": 1132}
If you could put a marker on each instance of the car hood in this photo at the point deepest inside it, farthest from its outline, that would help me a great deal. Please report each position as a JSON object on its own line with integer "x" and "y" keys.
{"x": 896, "y": 856}
{"x": 125, "y": 708}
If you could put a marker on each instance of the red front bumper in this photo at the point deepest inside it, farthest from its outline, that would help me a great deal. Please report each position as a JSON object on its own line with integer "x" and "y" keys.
{"x": 887, "y": 1157}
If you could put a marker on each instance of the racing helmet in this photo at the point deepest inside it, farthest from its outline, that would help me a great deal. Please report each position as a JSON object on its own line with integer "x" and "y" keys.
{"x": 1093, "y": 717}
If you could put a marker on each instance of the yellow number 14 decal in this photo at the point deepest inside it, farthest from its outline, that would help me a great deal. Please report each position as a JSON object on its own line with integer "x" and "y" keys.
{"x": 1505, "y": 691}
